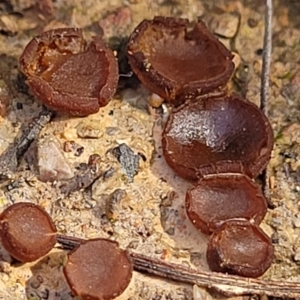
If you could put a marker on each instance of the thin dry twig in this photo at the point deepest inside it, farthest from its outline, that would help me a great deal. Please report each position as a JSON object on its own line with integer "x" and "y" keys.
{"x": 85, "y": 178}
{"x": 266, "y": 63}
{"x": 9, "y": 159}
{"x": 227, "y": 284}
{"x": 68, "y": 242}
{"x": 265, "y": 82}
{"x": 32, "y": 131}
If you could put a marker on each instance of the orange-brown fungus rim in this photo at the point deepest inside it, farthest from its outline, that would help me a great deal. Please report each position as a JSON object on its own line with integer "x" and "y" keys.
{"x": 14, "y": 246}
{"x": 97, "y": 290}
{"x": 168, "y": 88}
{"x": 31, "y": 62}
{"x": 192, "y": 173}
{"x": 249, "y": 202}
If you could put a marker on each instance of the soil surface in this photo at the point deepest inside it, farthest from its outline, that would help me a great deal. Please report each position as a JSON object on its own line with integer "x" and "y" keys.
{"x": 150, "y": 217}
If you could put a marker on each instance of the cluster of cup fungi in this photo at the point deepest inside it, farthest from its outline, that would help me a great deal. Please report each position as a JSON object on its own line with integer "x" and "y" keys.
{"x": 217, "y": 140}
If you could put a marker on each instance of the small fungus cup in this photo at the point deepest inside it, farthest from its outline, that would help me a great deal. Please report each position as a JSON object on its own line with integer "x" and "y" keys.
{"x": 241, "y": 248}
{"x": 67, "y": 74}
{"x": 98, "y": 270}
{"x": 217, "y": 198}
{"x": 27, "y": 232}
{"x": 178, "y": 61}
{"x": 217, "y": 135}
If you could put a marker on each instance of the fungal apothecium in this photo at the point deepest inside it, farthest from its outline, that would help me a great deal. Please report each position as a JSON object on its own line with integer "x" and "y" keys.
{"x": 27, "y": 232}
{"x": 177, "y": 63}
{"x": 217, "y": 135}
{"x": 216, "y": 199}
{"x": 211, "y": 137}
{"x": 98, "y": 269}
{"x": 68, "y": 74}
{"x": 228, "y": 249}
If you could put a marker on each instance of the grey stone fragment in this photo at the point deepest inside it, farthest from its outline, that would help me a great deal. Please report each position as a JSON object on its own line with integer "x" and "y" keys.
{"x": 128, "y": 160}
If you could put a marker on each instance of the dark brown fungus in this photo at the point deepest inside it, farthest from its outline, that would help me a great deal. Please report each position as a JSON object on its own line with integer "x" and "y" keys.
{"x": 217, "y": 135}
{"x": 240, "y": 247}
{"x": 27, "y": 232}
{"x": 98, "y": 269}
{"x": 218, "y": 198}
{"x": 67, "y": 74}
{"x": 176, "y": 62}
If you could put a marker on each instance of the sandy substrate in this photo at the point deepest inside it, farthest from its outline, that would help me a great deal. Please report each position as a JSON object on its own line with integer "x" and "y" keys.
{"x": 151, "y": 218}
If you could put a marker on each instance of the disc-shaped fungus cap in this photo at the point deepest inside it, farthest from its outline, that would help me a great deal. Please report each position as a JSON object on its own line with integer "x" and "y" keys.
{"x": 218, "y": 198}
{"x": 177, "y": 62}
{"x": 27, "y": 232}
{"x": 98, "y": 270}
{"x": 240, "y": 247}
{"x": 67, "y": 74}
{"x": 217, "y": 135}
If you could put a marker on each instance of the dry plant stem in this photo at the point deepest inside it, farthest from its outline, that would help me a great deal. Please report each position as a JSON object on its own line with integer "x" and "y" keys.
{"x": 68, "y": 242}
{"x": 32, "y": 132}
{"x": 229, "y": 285}
{"x": 9, "y": 159}
{"x": 265, "y": 80}
{"x": 266, "y": 57}
{"x": 82, "y": 180}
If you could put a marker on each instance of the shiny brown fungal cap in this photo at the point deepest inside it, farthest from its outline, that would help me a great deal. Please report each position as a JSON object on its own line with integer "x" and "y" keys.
{"x": 240, "y": 247}
{"x": 177, "y": 62}
{"x": 27, "y": 231}
{"x": 67, "y": 74}
{"x": 98, "y": 270}
{"x": 217, "y": 135}
{"x": 218, "y": 198}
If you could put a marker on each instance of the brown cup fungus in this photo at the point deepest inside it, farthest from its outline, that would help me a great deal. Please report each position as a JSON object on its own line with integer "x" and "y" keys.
{"x": 27, "y": 232}
{"x": 218, "y": 198}
{"x": 68, "y": 74}
{"x": 98, "y": 270}
{"x": 177, "y": 62}
{"x": 240, "y": 247}
{"x": 217, "y": 135}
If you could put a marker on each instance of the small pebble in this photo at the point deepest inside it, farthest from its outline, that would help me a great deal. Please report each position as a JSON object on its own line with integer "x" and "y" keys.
{"x": 52, "y": 165}
{"x": 90, "y": 129}
{"x": 155, "y": 101}
{"x": 297, "y": 256}
{"x": 225, "y": 24}
{"x": 112, "y": 130}
{"x": 296, "y": 222}
{"x": 114, "y": 203}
